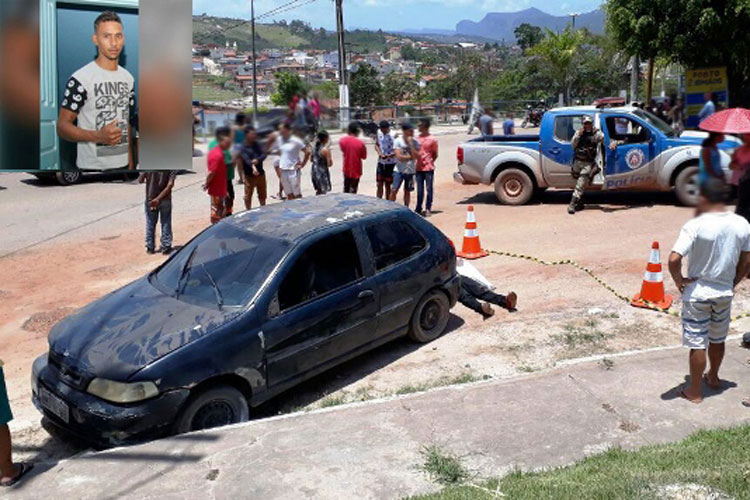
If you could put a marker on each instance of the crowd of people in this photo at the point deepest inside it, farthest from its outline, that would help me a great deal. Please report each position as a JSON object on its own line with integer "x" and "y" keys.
{"x": 405, "y": 162}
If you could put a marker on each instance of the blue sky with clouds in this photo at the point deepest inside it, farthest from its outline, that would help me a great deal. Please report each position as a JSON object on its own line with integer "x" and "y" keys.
{"x": 390, "y": 14}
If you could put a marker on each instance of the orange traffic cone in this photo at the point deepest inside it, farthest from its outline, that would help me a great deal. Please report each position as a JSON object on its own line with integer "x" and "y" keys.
{"x": 471, "y": 248}
{"x": 652, "y": 290}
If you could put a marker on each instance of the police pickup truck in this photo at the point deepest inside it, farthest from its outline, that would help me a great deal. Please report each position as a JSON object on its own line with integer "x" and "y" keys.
{"x": 650, "y": 156}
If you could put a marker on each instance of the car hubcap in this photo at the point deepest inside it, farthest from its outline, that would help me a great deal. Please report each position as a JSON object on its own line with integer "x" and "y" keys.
{"x": 513, "y": 187}
{"x": 71, "y": 177}
{"x": 691, "y": 186}
{"x": 430, "y": 316}
{"x": 213, "y": 414}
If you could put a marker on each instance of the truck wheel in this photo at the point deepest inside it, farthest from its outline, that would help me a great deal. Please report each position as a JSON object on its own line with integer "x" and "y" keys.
{"x": 68, "y": 177}
{"x": 513, "y": 187}
{"x": 216, "y": 407}
{"x": 686, "y": 186}
{"x": 430, "y": 317}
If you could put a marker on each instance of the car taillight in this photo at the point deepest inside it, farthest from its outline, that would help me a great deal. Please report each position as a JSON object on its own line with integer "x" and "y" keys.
{"x": 460, "y": 155}
{"x": 452, "y": 245}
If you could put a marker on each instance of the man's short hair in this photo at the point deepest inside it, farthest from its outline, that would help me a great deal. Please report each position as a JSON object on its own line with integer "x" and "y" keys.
{"x": 249, "y": 128}
{"x": 715, "y": 190}
{"x": 425, "y": 122}
{"x": 223, "y": 132}
{"x": 353, "y": 128}
{"x": 105, "y": 17}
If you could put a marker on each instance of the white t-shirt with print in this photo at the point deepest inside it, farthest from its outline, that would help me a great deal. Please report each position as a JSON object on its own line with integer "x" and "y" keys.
{"x": 100, "y": 97}
{"x": 289, "y": 151}
{"x": 386, "y": 144}
{"x": 712, "y": 243}
{"x": 410, "y": 166}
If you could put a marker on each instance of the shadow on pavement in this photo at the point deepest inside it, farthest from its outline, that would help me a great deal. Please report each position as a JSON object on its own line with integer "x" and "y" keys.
{"x": 346, "y": 374}
{"x": 597, "y": 200}
{"x": 674, "y": 392}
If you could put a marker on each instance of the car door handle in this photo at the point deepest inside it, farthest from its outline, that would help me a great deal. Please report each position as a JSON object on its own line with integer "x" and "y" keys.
{"x": 554, "y": 151}
{"x": 366, "y": 294}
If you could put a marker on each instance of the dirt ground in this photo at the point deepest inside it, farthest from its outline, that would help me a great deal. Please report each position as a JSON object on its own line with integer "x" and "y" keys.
{"x": 562, "y": 312}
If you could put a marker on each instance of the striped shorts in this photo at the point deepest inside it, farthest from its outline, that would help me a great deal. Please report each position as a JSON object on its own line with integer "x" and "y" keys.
{"x": 705, "y": 321}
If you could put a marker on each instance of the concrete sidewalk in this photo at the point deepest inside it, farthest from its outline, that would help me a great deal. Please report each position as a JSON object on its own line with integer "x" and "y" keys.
{"x": 372, "y": 449}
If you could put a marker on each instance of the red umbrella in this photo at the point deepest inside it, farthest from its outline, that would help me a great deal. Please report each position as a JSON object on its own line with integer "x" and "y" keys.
{"x": 729, "y": 121}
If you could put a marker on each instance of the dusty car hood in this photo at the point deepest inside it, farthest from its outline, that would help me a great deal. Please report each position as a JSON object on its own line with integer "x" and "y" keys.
{"x": 126, "y": 330}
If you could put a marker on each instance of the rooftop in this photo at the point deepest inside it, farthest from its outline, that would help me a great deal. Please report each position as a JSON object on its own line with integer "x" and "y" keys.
{"x": 292, "y": 219}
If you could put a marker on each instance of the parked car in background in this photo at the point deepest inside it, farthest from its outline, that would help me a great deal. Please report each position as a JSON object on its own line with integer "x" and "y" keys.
{"x": 249, "y": 308}
{"x": 650, "y": 158}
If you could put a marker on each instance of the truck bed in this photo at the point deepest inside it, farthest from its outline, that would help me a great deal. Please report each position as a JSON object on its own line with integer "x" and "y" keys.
{"x": 507, "y": 138}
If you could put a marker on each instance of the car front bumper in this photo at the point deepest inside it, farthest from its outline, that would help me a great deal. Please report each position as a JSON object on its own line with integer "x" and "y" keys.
{"x": 97, "y": 421}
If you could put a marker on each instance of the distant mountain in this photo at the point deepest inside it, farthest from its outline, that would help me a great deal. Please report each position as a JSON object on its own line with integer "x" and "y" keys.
{"x": 500, "y": 25}
{"x": 428, "y": 31}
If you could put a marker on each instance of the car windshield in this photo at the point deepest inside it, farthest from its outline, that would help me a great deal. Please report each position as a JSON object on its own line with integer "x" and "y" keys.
{"x": 224, "y": 266}
{"x": 655, "y": 121}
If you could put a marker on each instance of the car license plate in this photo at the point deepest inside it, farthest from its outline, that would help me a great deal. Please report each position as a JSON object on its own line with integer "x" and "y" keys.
{"x": 57, "y": 406}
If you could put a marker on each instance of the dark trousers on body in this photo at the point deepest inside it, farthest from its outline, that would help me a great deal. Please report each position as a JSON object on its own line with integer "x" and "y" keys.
{"x": 351, "y": 184}
{"x": 472, "y": 290}
{"x": 164, "y": 213}
{"x": 424, "y": 179}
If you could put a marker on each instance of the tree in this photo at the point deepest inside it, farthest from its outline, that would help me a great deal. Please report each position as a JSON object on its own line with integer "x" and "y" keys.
{"x": 329, "y": 90}
{"x": 556, "y": 54}
{"x": 287, "y": 85}
{"x": 698, "y": 33}
{"x": 528, "y": 35}
{"x": 397, "y": 87}
{"x": 364, "y": 87}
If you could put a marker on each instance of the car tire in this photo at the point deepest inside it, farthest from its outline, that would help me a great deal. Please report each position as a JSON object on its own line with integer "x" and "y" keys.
{"x": 68, "y": 177}
{"x": 215, "y": 407}
{"x": 686, "y": 186}
{"x": 430, "y": 317}
{"x": 513, "y": 186}
{"x": 524, "y": 123}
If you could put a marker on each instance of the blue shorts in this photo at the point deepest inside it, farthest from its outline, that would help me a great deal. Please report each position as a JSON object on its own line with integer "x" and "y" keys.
{"x": 407, "y": 179}
{"x": 5, "y": 414}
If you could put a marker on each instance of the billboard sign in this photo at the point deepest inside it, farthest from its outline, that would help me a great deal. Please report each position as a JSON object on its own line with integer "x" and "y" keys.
{"x": 697, "y": 83}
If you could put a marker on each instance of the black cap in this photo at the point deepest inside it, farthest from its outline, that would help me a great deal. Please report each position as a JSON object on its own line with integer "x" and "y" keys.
{"x": 406, "y": 125}
{"x": 384, "y": 124}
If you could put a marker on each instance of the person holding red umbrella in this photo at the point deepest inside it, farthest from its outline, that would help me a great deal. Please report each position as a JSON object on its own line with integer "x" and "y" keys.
{"x": 740, "y": 167}
{"x": 710, "y": 160}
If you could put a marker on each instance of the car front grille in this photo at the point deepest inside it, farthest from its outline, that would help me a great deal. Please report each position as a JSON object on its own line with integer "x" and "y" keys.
{"x": 67, "y": 373}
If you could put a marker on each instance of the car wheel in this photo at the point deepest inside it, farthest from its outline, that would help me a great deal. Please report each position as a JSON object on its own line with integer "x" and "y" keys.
{"x": 216, "y": 407}
{"x": 513, "y": 187}
{"x": 68, "y": 177}
{"x": 686, "y": 186}
{"x": 430, "y": 317}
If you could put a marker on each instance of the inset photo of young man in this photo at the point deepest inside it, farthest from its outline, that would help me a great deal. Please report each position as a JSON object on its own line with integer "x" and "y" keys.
{"x": 98, "y": 99}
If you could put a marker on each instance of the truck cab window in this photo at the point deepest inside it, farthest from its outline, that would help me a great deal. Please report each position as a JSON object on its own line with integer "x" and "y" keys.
{"x": 622, "y": 128}
{"x": 566, "y": 127}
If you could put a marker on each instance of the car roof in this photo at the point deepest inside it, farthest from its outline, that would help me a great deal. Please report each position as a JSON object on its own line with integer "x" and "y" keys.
{"x": 290, "y": 220}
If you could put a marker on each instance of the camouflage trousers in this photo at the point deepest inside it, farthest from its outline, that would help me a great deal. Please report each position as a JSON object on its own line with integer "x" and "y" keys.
{"x": 583, "y": 171}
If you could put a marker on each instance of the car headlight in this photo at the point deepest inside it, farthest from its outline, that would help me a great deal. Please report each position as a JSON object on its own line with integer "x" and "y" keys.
{"x": 119, "y": 392}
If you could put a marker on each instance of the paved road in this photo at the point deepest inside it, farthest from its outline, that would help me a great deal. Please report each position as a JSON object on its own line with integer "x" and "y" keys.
{"x": 372, "y": 450}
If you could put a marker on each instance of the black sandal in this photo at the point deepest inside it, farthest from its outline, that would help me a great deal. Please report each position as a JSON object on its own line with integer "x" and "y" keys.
{"x": 25, "y": 467}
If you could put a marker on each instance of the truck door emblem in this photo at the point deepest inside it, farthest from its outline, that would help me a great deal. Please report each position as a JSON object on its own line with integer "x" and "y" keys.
{"x": 634, "y": 158}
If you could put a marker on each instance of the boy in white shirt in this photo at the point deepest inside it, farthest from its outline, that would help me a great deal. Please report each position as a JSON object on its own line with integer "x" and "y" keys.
{"x": 717, "y": 244}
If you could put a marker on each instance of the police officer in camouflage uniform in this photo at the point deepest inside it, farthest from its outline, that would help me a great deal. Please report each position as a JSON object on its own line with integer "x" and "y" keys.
{"x": 585, "y": 144}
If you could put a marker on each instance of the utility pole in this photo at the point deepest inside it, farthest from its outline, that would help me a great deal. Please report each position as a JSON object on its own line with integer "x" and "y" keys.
{"x": 343, "y": 80}
{"x": 255, "y": 71}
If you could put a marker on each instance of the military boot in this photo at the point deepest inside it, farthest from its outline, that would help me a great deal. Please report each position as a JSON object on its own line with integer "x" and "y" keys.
{"x": 572, "y": 207}
{"x": 580, "y": 206}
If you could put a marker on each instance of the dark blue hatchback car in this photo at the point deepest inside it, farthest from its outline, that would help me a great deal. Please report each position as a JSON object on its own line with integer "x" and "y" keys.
{"x": 247, "y": 309}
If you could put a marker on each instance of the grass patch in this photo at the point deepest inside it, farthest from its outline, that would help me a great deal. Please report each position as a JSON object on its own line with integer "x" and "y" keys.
{"x": 443, "y": 467}
{"x": 463, "y": 378}
{"x": 527, "y": 369}
{"x": 586, "y": 334}
{"x": 718, "y": 459}
{"x": 329, "y": 401}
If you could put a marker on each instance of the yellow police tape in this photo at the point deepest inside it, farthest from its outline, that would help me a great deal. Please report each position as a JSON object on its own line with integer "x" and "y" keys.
{"x": 596, "y": 278}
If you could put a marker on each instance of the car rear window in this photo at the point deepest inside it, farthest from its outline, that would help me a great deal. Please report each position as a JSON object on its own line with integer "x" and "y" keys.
{"x": 327, "y": 265}
{"x": 393, "y": 242}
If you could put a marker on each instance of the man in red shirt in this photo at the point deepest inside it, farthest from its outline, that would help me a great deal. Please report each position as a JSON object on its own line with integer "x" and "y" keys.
{"x": 354, "y": 151}
{"x": 216, "y": 180}
{"x": 428, "y": 153}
